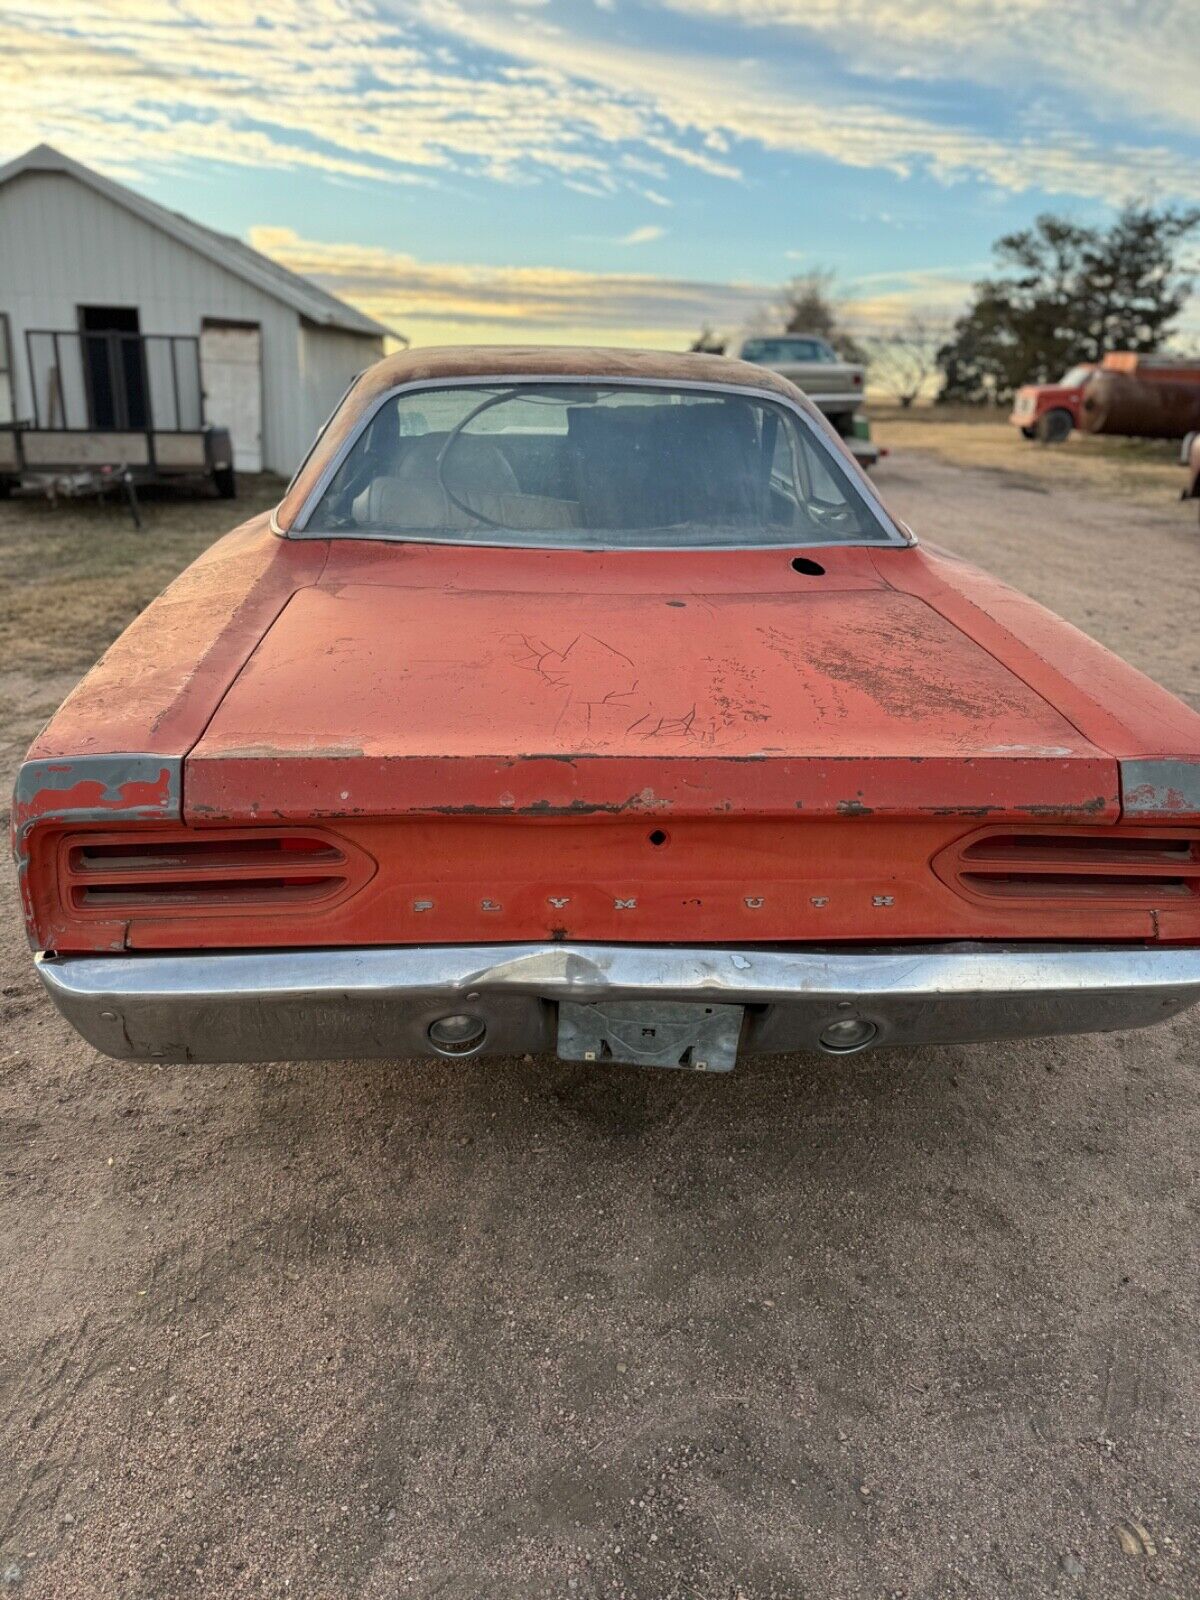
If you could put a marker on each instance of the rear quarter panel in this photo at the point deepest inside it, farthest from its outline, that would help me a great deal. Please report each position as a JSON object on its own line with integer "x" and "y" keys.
{"x": 115, "y": 747}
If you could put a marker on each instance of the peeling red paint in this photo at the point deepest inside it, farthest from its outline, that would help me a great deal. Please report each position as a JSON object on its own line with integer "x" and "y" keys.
{"x": 500, "y": 728}
{"x": 1145, "y": 797}
{"x": 557, "y": 684}
{"x": 136, "y": 800}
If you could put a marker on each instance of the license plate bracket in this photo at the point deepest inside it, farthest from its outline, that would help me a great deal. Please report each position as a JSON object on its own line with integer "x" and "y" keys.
{"x": 685, "y": 1034}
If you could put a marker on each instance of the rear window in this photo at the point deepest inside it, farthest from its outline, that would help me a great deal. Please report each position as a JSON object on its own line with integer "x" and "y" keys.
{"x": 767, "y": 352}
{"x": 605, "y": 467}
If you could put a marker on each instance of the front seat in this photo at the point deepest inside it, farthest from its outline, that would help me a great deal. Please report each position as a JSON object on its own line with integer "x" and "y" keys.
{"x": 475, "y": 469}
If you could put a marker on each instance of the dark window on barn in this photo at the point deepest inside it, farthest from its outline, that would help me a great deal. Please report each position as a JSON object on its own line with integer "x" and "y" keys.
{"x": 8, "y": 403}
{"x": 114, "y": 367}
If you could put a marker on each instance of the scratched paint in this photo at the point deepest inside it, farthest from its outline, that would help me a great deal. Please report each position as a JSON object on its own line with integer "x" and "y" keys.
{"x": 426, "y": 670}
{"x": 496, "y": 729}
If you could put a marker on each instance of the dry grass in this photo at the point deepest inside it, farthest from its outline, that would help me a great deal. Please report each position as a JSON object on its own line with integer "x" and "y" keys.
{"x": 72, "y": 576}
{"x": 1142, "y": 469}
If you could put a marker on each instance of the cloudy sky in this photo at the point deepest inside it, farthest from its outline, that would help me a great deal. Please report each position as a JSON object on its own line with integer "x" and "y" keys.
{"x": 617, "y": 170}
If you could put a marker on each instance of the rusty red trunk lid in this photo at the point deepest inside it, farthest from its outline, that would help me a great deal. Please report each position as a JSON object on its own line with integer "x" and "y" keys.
{"x": 418, "y": 680}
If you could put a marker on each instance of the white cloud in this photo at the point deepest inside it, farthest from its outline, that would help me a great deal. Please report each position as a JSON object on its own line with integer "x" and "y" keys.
{"x": 1139, "y": 55}
{"x": 881, "y": 300}
{"x": 335, "y": 86}
{"x": 438, "y": 301}
{"x": 643, "y": 235}
{"x": 722, "y": 101}
{"x": 366, "y": 90}
{"x": 431, "y": 300}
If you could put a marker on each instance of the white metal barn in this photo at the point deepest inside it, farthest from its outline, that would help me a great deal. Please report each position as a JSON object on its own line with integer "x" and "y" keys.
{"x": 117, "y": 314}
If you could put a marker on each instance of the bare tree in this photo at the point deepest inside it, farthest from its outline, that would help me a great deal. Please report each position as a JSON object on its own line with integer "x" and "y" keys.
{"x": 904, "y": 359}
{"x": 708, "y": 342}
{"x": 810, "y": 303}
{"x": 806, "y": 304}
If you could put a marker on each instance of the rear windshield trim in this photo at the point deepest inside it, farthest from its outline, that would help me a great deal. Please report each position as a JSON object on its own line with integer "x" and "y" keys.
{"x": 891, "y": 533}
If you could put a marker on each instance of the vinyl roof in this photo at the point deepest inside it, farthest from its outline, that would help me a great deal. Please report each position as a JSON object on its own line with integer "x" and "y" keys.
{"x": 585, "y": 361}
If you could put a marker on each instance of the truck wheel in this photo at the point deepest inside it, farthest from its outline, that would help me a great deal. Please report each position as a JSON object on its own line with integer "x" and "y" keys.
{"x": 225, "y": 483}
{"x": 1054, "y": 427}
{"x": 1029, "y": 433}
{"x": 6, "y": 488}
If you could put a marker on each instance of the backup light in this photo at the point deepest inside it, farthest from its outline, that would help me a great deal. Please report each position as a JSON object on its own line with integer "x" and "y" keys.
{"x": 847, "y": 1035}
{"x": 457, "y": 1035}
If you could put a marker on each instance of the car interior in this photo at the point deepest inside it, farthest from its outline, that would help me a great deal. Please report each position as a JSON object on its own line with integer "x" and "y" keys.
{"x": 717, "y": 464}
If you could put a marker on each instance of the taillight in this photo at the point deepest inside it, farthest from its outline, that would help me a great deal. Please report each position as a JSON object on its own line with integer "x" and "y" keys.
{"x": 118, "y": 874}
{"x": 1148, "y": 866}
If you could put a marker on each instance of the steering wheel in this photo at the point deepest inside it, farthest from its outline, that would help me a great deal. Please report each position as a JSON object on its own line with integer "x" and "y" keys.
{"x": 452, "y": 439}
{"x": 831, "y": 514}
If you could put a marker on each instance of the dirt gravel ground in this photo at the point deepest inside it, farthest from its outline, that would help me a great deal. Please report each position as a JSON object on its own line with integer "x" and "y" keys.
{"x": 971, "y": 436}
{"x": 917, "y": 1324}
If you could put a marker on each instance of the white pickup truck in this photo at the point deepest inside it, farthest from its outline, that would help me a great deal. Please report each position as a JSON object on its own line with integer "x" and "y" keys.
{"x": 835, "y": 386}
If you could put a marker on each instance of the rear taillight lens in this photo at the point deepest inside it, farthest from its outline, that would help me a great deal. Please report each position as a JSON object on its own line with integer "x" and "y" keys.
{"x": 1144, "y": 865}
{"x": 224, "y": 870}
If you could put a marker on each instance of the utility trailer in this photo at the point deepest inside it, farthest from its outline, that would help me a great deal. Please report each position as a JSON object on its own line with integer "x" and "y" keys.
{"x": 114, "y": 404}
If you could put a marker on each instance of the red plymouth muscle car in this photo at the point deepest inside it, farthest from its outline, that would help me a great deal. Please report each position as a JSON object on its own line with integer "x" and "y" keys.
{"x": 592, "y": 701}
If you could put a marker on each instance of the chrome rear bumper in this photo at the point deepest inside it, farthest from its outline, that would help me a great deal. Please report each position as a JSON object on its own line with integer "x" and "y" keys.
{"x": 382, "y": 1001}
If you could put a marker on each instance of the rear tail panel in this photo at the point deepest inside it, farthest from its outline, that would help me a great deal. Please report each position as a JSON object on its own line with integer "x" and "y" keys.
{"x": 634, "y": 879}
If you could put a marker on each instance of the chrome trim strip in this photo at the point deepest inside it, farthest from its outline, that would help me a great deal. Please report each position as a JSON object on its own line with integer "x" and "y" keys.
{"x": 317, "y": 437}
{"x": 557, "y": 380}
{"x": 379, "y": 1001}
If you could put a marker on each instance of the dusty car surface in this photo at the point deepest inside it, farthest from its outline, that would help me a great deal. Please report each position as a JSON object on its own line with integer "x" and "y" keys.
{"x": 592, "y": 701}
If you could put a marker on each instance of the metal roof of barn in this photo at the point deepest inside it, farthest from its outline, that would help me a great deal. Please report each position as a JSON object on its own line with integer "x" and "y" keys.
{"x": 316, "y": 305}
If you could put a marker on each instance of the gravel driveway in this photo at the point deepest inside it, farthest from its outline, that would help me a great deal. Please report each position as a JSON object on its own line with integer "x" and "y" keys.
{"x": 917, "y": 1324}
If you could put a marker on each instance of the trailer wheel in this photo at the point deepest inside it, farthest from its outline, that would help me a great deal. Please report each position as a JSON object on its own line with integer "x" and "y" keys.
{"x": 225, "y": 483}
{"x": 1054, "y": 427}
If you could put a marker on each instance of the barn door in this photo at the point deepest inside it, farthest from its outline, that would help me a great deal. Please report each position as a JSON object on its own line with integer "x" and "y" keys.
{"x": 114, "y": 367}
{"x": 231, "y": 375}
